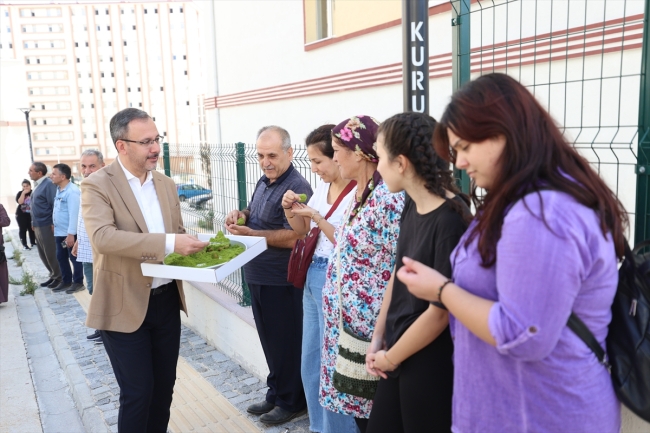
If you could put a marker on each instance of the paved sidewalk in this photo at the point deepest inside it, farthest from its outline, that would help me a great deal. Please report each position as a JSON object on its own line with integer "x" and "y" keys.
{"x": 34, "y": 392}
{"x": 211, "y": 393}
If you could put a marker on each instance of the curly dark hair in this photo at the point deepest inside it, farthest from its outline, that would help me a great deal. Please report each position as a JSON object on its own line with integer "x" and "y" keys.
{"x": 321, "y": 137}
{"x": 410, "y": 134}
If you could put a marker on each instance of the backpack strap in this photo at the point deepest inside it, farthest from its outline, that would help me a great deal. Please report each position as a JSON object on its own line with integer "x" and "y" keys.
{"x": 581, "y": 330}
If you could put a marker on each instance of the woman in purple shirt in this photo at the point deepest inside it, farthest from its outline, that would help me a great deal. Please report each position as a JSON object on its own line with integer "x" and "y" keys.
{"x": 544, "y": 243}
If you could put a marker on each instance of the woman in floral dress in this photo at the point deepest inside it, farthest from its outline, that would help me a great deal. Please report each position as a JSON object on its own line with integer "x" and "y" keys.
{"x": 366, "y": 242}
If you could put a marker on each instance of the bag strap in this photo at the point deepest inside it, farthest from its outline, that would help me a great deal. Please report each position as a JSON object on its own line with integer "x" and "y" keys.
{"x": 343, "y": 193}
{"x": 581, "y": 330}
{"x": 338, "y": 281}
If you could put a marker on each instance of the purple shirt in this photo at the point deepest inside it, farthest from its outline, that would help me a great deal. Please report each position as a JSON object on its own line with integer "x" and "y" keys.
{"x": 540, "y": 377}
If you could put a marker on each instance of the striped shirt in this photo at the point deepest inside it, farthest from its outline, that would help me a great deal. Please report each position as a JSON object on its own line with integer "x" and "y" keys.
{"x": 84, "y": 250}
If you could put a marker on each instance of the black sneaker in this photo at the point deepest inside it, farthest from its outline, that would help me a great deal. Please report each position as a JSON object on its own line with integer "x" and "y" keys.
{"x": 76, "y": 287}
{"x": 280, "y": 416}
{"x": 47, "y": 283}
{"x": 54, "y": 283}
{"x": 26, "y": 248}
{"x": 99, "y": 340}
{"x": 95, "y": 335}
{"x": 62, "y": 287}
{"x": 260, "y": 408}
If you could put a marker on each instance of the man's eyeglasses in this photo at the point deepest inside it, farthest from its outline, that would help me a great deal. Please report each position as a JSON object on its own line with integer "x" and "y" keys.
{"x": 147, "y": 143}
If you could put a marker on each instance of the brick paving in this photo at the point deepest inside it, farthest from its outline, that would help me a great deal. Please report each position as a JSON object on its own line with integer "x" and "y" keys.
{"x": 226, "y": 377}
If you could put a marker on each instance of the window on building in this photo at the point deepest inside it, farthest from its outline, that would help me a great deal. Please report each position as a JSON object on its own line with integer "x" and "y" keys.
{"x": 103, "y": 90}
{"x": 106, "y": 11}
{"x": 86, "y": 43}
{"x": 139, "y": 104}
{"x": 145, "y": 11}
{"x": 187, "y": 102}
{"x": 96, "y": 11}
{"x": 185, "y": 72}
{"x": 155, "y": 11}
{"x": 102, "y": 75}
{"x": 110, "y": 44}
{"x": 161, "y": 88}
{"x": 76, "y": 44}
{"x": 128, "y": 89}
{"x": 125, "y": 43}
{"x": 134, "y": 27}
{"x": 112, "y": 74}
{"x": 184, "y": 57}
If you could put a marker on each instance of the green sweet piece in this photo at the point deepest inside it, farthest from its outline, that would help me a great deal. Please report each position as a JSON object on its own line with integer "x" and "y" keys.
{"x": 218, "y": 251}
{"x": 241, "y": 221}
{"x": 303, "y": 198}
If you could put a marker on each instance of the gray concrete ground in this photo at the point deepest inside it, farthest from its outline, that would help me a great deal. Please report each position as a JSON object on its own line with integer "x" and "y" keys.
{"x": 46, "y": 384}
{"x": 80, "y": 372}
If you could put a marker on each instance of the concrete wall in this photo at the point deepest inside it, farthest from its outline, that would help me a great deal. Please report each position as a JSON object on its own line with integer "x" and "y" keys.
{"x": 226, "y": 325}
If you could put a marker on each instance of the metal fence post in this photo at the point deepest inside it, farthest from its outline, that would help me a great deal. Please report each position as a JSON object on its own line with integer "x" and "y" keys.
{"x": 642, "y": 211}
{"x": 460, "y": 62}
{"x": 243, "y": 202}
{"x": 166, "y": 161}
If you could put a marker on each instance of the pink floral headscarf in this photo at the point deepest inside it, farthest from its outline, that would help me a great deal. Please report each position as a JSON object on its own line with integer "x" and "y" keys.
{"x": 359, "y": 134}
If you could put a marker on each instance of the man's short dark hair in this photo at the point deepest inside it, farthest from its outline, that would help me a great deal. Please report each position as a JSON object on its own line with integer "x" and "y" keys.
{"x": 40, "y": 167}
{"x": 119, "y": 125}
{"x": 65, "y": 169}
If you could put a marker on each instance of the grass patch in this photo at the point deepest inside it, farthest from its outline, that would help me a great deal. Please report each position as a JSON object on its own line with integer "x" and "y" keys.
{"x": 29, "y": 286}
{"x": 18, "y": 257}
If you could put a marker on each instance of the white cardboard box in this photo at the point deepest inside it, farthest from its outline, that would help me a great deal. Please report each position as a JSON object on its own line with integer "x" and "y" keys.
{"x": 254, "y": 247}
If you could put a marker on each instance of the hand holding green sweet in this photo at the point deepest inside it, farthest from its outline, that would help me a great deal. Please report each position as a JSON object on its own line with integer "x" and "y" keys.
{"x": 303, "y": 198}
{"x": 241, "y": 221}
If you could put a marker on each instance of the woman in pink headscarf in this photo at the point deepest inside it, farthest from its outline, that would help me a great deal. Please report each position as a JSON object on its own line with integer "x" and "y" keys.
{"x": 360, "y": 265}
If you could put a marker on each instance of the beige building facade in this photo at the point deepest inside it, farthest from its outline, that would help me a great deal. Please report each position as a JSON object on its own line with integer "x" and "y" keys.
{"x": 83, "y": 62}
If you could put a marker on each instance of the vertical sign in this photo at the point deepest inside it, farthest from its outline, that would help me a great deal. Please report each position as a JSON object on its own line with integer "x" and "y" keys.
{"x": 415, "y": 68}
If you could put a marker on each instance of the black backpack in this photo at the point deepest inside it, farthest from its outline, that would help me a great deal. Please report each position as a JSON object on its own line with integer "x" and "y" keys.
{"x": 628, "y": 340}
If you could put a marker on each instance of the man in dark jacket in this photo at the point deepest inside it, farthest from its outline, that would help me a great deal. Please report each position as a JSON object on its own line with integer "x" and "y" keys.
{"x": 42, "y": 208}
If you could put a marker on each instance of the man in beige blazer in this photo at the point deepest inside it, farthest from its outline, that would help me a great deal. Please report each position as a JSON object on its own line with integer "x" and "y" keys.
{"x": 132, "y": 214}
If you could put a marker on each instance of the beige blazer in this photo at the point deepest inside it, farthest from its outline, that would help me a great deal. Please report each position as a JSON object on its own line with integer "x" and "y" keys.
{"x": 121, "y": 242}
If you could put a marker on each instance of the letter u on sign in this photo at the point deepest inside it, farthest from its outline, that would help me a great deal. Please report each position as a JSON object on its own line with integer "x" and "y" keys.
{"x": 414, "y": 58}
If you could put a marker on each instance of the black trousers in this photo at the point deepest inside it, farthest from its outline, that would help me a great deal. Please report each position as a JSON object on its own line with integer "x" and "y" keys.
{"x": 418, "y": 399}
{"x": 24, "y": 227}
{"x": 144, "y": 363}
{"x": 278, "y": 317}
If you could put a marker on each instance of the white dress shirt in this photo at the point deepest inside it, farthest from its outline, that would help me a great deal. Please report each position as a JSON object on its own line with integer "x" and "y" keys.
{"x": 147, "y": 199}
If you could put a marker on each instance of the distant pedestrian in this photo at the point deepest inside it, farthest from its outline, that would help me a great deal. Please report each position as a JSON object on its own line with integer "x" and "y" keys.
{"x": 4, "y": 272}
{"x": 24, "y": 215}
{"x": 42, "y": 207}
{"x": 544, "y": 244}
{"x": 66, "y": 211}
{"x": 91, "y": 161}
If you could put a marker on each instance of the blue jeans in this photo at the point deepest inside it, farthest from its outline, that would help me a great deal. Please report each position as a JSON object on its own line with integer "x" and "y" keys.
{"x": 64, "y": 257}
{"x": 88, "y": 273}
{"x": 320, "y": 419}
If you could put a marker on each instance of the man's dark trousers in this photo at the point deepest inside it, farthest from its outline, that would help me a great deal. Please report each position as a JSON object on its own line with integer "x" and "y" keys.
{"x": 278, "y": 317}
{"x": 64, "y": 257}
{"x": 144, "y": 363}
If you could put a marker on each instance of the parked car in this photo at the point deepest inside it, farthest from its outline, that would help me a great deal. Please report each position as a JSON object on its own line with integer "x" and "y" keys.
{"x": 199, "y": 202}
{"x": 188, "y": 190}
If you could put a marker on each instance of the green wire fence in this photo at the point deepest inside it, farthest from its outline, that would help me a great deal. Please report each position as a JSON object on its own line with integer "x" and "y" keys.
{"x": 588, "y": 63}
{"x": 214, "y": 179}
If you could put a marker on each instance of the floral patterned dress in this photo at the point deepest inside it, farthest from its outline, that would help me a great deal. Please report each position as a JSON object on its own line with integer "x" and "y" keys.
{"x": 368, "y": 243}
